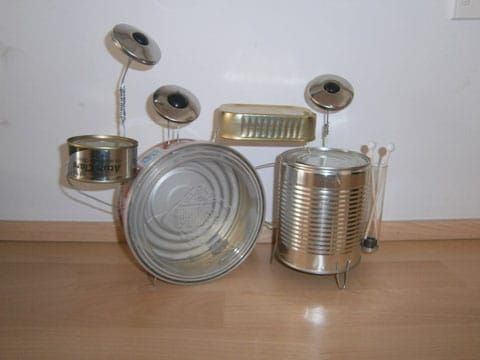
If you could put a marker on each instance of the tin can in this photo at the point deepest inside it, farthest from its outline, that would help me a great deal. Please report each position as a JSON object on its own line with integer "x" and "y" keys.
{"x": 273, "y": 125}
{"x": 321, "y": 209}
{"x": 102, "y": 158}
{"x": 194, "y": 211}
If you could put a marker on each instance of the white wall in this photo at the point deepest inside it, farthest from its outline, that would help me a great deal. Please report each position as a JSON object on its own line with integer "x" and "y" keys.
{"x": 415, "y": 72}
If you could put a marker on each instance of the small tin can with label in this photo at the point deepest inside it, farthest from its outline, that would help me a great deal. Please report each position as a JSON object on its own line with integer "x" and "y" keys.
{"x": 102, "y": 158}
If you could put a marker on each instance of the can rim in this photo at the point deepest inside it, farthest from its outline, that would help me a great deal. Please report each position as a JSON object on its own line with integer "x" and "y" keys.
{"x": 295, "y": 152}
{"x": 128, "y": 142}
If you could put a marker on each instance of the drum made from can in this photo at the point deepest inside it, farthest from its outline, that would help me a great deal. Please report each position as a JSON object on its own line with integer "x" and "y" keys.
{"x": 320, "y": 209}
{"x": 194, "y": 211}
{"x": 102, "y": 159}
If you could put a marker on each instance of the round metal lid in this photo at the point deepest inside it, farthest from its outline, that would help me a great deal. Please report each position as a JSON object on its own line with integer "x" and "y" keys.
{"x": 176, "y": 104}
{"x": 326, "y": 158}
{"x": 193, "y": 213}
{"x": 329, "y": 92}
{"x": 136, "y": 44}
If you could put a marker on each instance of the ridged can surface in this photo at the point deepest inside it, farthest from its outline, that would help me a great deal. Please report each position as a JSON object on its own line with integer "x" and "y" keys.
{"x": 274, "y": 125}
{"x": 194, "y": 211}
{"x": 320, "y": 208}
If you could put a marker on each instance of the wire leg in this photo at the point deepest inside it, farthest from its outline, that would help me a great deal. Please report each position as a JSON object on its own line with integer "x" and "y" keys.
{"x": 83, "y": 193}
{"x": 153, "y": 280}
{"x": 343, "y": 284}
{"x": 275, "y": 241}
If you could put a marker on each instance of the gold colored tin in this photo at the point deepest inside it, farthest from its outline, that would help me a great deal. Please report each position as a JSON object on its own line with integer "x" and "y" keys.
{"x": 275, "y": 125}
{"x": 102, "y": 158}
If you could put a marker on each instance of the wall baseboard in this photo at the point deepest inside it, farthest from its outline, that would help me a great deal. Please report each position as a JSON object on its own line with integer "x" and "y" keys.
{"x": 72, "y": 231}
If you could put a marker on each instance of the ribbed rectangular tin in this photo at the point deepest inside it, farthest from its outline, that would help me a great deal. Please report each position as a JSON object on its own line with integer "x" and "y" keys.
{"x": 275, "y": 125}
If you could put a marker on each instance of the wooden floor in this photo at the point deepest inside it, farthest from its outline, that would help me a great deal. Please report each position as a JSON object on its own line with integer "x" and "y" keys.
{"x": 411, "y": 300}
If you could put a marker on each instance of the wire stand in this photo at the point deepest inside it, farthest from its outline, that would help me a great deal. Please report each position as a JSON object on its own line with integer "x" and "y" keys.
{"x": 122, "y": 100}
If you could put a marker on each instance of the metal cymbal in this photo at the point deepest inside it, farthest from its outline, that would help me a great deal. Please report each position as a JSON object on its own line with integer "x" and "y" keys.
{"x": 329, "y": 92}
{"x": 136, "y": 44}
{"x": 176, "y": 104}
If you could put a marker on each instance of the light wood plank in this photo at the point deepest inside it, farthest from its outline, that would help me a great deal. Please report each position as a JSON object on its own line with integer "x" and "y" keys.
{"x": 431, "y": 229}
{"x": 410, "y": 300}
{"x": 71, "y": 231}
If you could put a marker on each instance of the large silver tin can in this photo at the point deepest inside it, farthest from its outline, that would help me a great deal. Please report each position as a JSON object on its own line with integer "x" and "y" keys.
{"x": 102, "y": 158}
{"x": 194, "y": 211}
{"x": 320, "y": 209}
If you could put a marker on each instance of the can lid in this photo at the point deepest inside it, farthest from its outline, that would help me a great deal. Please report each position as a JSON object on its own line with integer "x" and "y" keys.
{"x": 176, "y": 104}
{"x": 329, "y": 92}
{"x": 102, "y": 142}
{"x": 326, "y": 158}
{"x": 136, "y": 44}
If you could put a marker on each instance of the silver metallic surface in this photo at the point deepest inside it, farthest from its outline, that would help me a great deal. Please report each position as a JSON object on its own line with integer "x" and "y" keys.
{"x": 176, "y": 104}
{"x": 329, "y": 92}
{"x": 102, "y": 158}
{"x": 194, "y": 211}
{"x": 138, "y": 47}
{"x": 320, "y": 209}
{"x": 136, "y": 44}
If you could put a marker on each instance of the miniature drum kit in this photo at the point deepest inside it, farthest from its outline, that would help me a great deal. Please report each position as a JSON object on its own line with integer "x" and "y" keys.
{"x": 192, "y": 210}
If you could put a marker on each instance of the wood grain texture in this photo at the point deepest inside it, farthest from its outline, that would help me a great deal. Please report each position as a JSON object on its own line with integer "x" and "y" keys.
{"x": 71, "y": 231}
{"x": 410, "y": 300}
{"x": 431, "y": 229}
